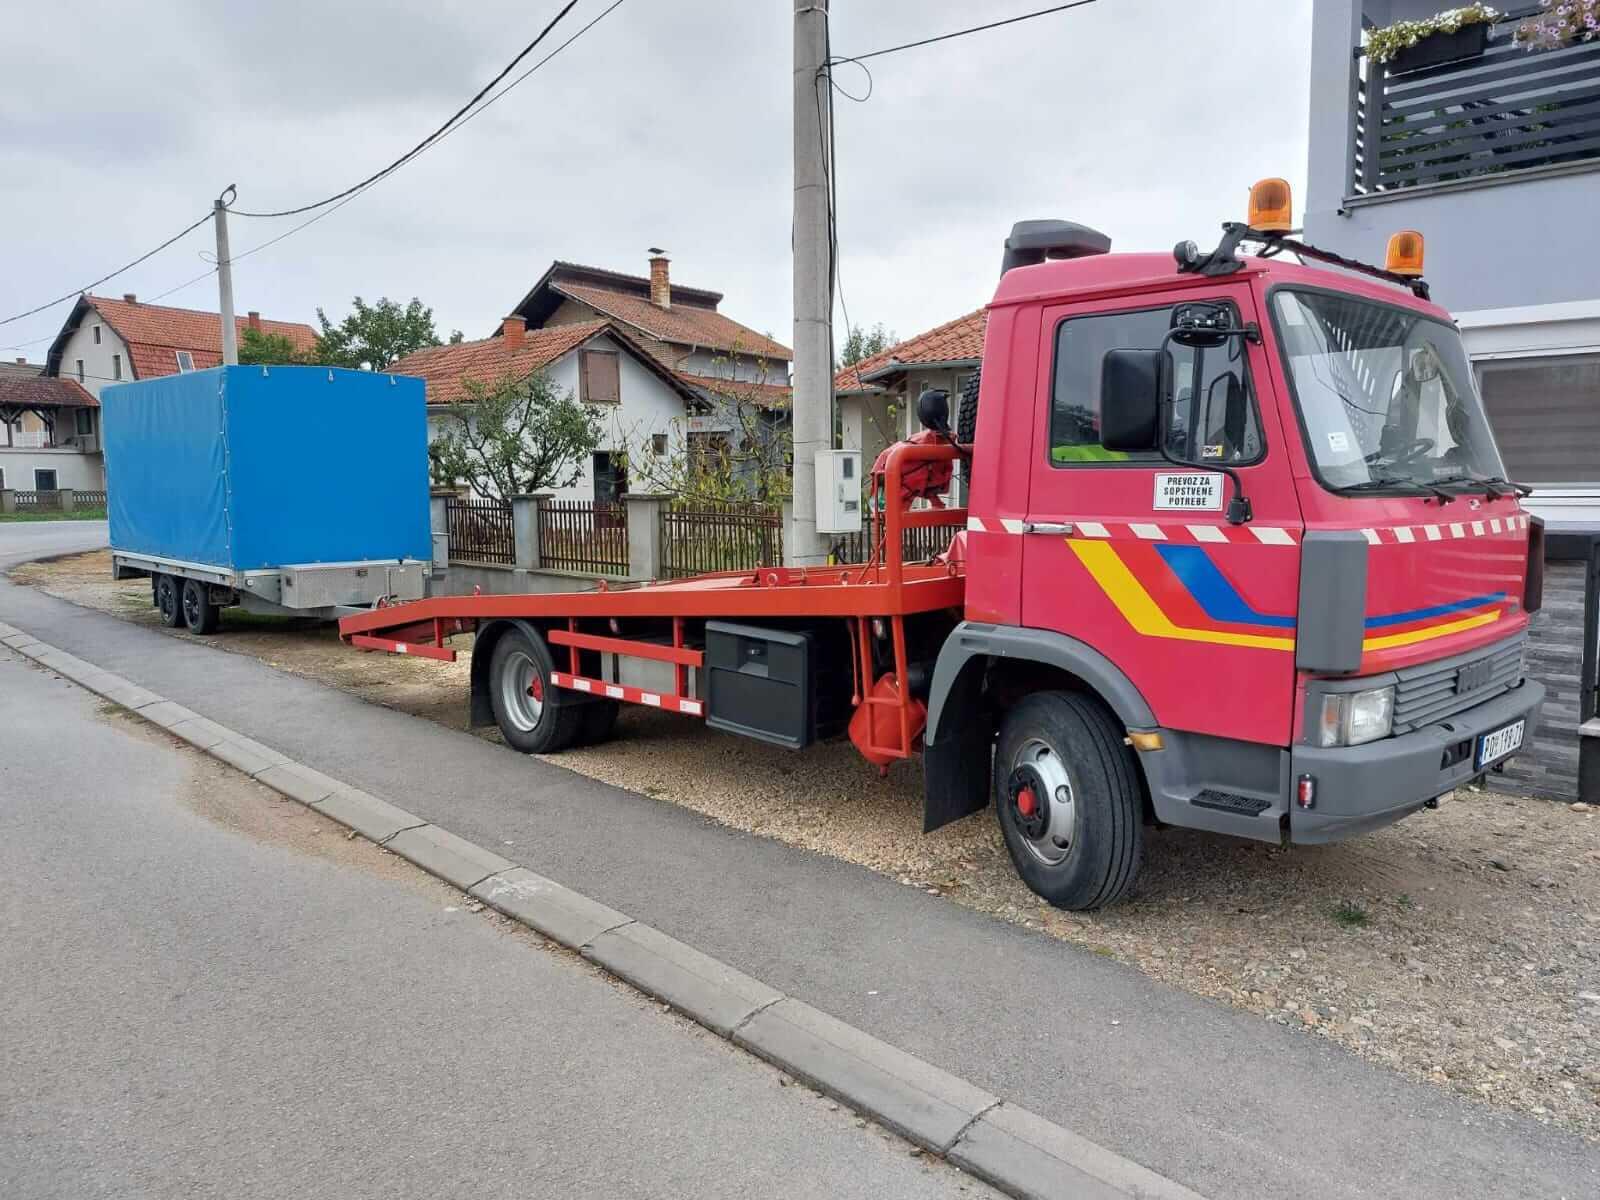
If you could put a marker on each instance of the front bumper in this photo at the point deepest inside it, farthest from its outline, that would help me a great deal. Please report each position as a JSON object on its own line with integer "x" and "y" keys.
{"x": 1361, "y": 788}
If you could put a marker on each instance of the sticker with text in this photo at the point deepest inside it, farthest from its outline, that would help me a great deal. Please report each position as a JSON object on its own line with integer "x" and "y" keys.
{"x": 1189, "y": 491}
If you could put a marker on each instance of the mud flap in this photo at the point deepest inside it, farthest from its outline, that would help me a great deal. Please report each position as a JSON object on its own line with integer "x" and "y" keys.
{"x": 956, "y": 768}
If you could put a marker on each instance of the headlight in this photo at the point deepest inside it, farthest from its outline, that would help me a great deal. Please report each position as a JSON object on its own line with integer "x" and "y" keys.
{"x": 1351, "y": 718}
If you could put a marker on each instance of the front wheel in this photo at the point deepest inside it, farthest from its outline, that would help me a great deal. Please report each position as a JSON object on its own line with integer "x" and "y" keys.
{"x": 534, "y": 716}
{"x": 167, "y": 604}
{"x": 1067, "y": 795}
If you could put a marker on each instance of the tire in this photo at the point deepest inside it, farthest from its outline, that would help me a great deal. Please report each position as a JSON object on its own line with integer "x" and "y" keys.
{"x": 597, "y": 721}
{"x": 1080, "y": 850}
{"x": 967, "y": 418}
{"x": 199, "y": 614}
{"x": 534, "y": 717}
{"x": 168, "y": 591}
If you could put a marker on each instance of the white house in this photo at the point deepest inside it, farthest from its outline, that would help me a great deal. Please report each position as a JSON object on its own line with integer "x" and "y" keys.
{"x": 50, "y": 434}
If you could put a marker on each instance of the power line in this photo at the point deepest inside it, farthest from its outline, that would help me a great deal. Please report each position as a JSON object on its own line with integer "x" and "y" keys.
{"x": 328, "y": 212}
{"x": 945, "y": 37}
{"x": 427, "y": 141}
{"x": 112, "y": 275}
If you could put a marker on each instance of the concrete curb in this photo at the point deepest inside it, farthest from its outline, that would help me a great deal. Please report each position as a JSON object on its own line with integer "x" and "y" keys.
{"x": 1006, "y": 1146}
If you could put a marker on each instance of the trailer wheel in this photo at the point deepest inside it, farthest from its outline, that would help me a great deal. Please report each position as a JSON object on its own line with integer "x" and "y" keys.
{"x": 597, "y": 720}
{"x": 199, "y": 614}
{"x": 534, "y": 716}
{"x": 1068, "y": 800}
{"x": 167, "y": 602}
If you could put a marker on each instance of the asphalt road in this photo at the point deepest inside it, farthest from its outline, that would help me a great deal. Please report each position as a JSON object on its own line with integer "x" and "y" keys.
{"x": 1214, "y": 1098}
{"x": 209, "y": 990}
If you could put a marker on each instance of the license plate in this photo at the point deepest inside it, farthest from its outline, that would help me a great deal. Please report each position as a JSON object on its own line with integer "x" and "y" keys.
{"x": 1499, "y": 743}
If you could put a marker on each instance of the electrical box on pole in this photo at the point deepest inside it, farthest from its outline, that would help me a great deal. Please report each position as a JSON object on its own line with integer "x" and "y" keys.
{"x": 838, "y": 491}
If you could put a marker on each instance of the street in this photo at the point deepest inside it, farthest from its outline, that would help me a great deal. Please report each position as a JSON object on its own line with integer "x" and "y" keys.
{"x": 210, "y": 990}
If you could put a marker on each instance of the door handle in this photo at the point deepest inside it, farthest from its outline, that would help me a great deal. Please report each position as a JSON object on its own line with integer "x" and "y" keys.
{"x": 1054, "y": 528}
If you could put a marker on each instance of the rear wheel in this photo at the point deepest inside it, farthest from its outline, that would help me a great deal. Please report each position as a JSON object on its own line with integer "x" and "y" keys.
{"x": 1068, "y": 800}
{"x": 199, "y": 614}
{"x": 534, "y": 716}
{"x": 167, "y": 602}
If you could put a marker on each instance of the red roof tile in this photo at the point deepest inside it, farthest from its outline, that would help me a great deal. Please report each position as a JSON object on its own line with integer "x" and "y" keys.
{"x": 954, "y": 341}
{"x": 767, "y": 395}
{"x": 446, "y": 369}
{"x": 155, "y": 332}
{"x": 682, "y": 324}
{"x": 43, "y": 391}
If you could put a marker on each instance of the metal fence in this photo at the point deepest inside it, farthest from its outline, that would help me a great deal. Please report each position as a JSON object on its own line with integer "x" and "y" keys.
{"x": 89, "y": 499}
{"x": 1507, "y": 109}
{"x": 917, "y": 544}
{"x": 584, "y": 535}
{"x": 701, "y": 536}
{"x": 480, "y": 531}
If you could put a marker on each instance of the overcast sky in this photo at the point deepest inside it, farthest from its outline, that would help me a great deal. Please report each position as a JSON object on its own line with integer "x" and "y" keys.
{"x": 667, "y": 125}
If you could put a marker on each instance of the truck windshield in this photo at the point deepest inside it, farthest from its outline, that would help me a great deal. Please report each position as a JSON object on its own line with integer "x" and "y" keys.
{"x": 1386, "y": 396}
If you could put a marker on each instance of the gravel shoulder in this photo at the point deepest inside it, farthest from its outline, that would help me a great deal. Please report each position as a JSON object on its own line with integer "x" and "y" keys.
{"x": 1460, "y": 947}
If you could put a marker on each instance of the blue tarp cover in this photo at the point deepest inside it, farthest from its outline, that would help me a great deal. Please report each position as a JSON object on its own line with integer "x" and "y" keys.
{"x": 251, "y": 467}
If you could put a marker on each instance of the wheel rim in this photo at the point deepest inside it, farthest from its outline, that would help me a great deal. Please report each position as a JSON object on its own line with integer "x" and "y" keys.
{"x": 193, "y": 607}
{"x": 1043, "y": 808}
{"x": 522, "y": 691}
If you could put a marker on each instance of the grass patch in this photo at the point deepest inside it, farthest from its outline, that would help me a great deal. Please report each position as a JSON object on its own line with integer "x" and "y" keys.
{"x": 82, "y": 514}
{"x": 1406, "y": 902}
{"x": 1350, "y": 915}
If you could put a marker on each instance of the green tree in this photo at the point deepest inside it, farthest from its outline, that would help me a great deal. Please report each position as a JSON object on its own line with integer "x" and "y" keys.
{"x": 374, "y": 335}
{"x": 864, "y": 343}
{"x": 515, "y": 435}
{"x": 257, "y": 347}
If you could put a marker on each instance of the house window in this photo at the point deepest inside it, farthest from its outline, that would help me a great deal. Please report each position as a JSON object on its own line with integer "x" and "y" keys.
{"x": 1546, "y": 416}
{"x": 598, "y": 379}
{"x": 83, "y": 421}
{"x": 610, "y": 477}
{"x": 185, "y": 360}
{"x": 658, "y": 444}
{"x": 116, "y": 366}
{"x": 97, "y": 335}
{"x": 44, "y": 481}
{"x": 80, "y": 370}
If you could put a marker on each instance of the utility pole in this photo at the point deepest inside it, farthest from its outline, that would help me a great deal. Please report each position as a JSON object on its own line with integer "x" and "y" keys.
{"x": 813, "y": 293}
{"x": 230, "y": 332}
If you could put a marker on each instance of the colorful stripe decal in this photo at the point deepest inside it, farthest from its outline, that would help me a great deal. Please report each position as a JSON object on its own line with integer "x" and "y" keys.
{"x": 1181, "y": 601}
{"x": 1144, "y": 614}
{"x": 1193, "y": 566}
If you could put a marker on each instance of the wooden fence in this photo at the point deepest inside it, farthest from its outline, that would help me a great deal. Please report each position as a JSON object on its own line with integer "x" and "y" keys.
{"x": 701, "y": 536}
{"x": 89, "y": 499}
{"x": 1504, "y": 110}
{"x": 584, "y": 535}
{"x": 480, "y": 531}
{"x": 36, "y": 501}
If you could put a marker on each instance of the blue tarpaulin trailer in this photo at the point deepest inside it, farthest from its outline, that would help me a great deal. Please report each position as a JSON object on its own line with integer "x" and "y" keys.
{"x": 280, "y": 489}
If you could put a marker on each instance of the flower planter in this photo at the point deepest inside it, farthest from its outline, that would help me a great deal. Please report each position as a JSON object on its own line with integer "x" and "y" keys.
{"x": 1437, "y": 49}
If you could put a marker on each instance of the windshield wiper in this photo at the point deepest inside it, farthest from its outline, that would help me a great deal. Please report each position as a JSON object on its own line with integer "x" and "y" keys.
{"x": 1385, "y": 482}
{"x": 1491, "y": 484}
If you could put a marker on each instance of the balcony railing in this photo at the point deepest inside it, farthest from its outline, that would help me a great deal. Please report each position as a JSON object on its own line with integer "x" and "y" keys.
{"x": 1507, "y": 110}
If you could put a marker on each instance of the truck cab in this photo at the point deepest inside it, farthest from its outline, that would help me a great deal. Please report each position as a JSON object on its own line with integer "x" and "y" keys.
{"x": 1240, "y": 550}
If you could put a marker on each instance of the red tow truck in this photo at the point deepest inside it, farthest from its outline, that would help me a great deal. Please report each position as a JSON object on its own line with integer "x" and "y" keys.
{"x": 1240, "y": 555}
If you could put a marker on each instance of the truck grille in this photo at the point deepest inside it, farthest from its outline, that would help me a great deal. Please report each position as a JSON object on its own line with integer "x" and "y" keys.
{"x": 1435, "y": 691}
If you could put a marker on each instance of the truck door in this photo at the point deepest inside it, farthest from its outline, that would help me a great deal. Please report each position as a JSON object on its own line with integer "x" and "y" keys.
{"x": 1134, "y": 555}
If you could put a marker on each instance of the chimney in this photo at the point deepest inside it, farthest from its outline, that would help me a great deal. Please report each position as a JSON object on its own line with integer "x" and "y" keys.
{"x": 253, "y": 319}
{"x": 660, "y": 282}
{"x": 511, "y": 329}
{"x": 130, "y": 297}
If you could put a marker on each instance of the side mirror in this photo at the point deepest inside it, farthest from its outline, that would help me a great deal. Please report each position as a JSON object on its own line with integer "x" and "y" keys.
{"x": 933, "y": 410}
{"x": 1130, "y": 399}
